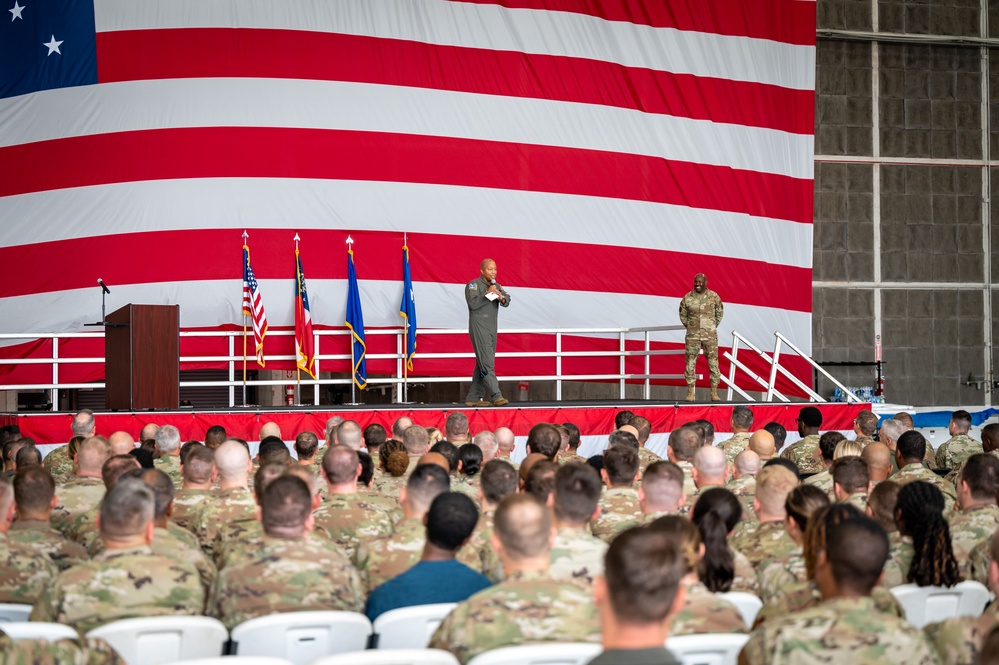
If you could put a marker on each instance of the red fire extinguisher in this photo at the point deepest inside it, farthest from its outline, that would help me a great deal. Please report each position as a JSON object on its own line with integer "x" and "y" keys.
{"x": 289, "y": 395}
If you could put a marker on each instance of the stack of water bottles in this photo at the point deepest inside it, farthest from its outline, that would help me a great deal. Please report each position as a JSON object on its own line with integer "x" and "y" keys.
{"x": 865, "y": 393}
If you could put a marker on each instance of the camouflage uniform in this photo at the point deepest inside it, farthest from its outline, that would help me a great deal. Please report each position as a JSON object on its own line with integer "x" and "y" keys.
{"x": 688, "y": 477}
{"x": 800, "y": 597}
{"x": 478, "y": 553}
{"x": 953, "y": 452}
{"x": 779, "y": 575}
{"x": 911, "y": 472}
{"x": 864, "y": 441}
{"x": 231, "y": 505}
{"x": 186, "y": 504}
{"x": 700, "y": 314}
{"x": 823, "y": 480}
{"x": 389, "y": 485}
{"x": 744, "y": 488}
{"x": 76, "y": 651}
{"x": 121, "y": 584}
{"x": 618, "y": 504}
{"x": 351, "y": 518}
{"x": 246, "y": 538}
{"x": 526, "y": 608}
{"x": 42, "y": 538}
{"x": 77, "y": 496}
{"x": 469, "y": 486}
{"x": 970, "y": 527}
{"x": 705, "y": 612}
{"x": 59, "y": 464}
{"x": 765, "y": 542}
{"x": 687, "y": 508}
{"x": 24, "y": 573}
{"x": 978, "y": 563}
{"x": 900, "y": 553}
{"x": 953, "y": 476}
{"x": 858, "y": 500}
{"x": 573, "y": 457}
{"x": 839, "y": 630}
{"x": 959, "y": 641}
{"x": 732, "y": 447}
{"x": 806, "y": 454}
{"x": 745, "y": 575}
{"x": 383, "y": 558}
{"x": 645, "y": 458}
{"x": 286, "y": 576}
{"x": 170, "y": 465}
{"x": 576, "y": 555}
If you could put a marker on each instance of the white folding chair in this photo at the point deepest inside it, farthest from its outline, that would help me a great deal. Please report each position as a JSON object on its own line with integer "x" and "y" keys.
{"x": 164, "y": 639}
{"x": 410, "y": 627}
{"x": 748, "y": 605}
{"x": 570, "y": 653}
{"x": 238, "y": 660}
{"x": 14, "y": 612}
{"x": 707, "y": 648}
{"x": 302, "y": 637}
{"x": 391, "y": 657}
{"x": 38, "y": 630}
{"x": 930, "y": 604}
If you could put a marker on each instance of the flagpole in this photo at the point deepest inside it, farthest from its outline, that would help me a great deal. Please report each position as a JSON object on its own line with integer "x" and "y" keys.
{"x": 301, "y": 315}
{"x": 353, "y": 368}
{"x": 405, "y": 334}
{"x": 245, "y": 236}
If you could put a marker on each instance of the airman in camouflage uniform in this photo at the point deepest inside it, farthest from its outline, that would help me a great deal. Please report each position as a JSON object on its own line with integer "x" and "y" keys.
{"x": 802, "y": 596}
{"x": 23, "y": 573}
{"x": 77, "y": 651}
{"x": 969, "y": 528}
{"x": 77, "y": 497}
{"x": 732, "y": 447}
{"x": 766, "y": 541}
{"x": 187, "y": 503}
{"x": 701, "y": 310}
{"x": 742, "y": 486}
{"x": 823, "y": 480}
{"x": 705, "y": 612}
{"x": 917, "y": 471}
{"x": 39, "y": 536}
{"x": 618, "y": 504}
{"x": 959, "y": 641}
{"x": 350, "y": 519}
{"x": 960, "y": 446}
{"x": 382, "y": 559}
{"x": 745, "y": 578}
{"x": 645, "y": 458}
{"x": 231, "y": 505}
{"x": 777, "y": 576}
{"x": 805, "y": 454}
{"x": 847, "y": 630}
{"x": 59, "y": 464}
{"x": 900, "y": 554}
{"x": 170, "y": 465}
{"x": 576, "y": 555}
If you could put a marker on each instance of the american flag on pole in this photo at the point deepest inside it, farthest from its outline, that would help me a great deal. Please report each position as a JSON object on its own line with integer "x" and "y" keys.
{"x": 602, "y": 152}
{"x": 253, "y": 306}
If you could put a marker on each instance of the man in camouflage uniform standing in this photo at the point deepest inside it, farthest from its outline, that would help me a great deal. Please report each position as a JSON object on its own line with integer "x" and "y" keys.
{"x": 484, "y": 297}
{"x": 960, "y": 446}
{"x": 701, "y": 311}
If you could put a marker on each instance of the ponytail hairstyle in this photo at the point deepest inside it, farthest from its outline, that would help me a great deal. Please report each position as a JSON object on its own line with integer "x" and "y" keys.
{"x": 815, "y": 533}
{"x": 471, "y": 459}
{"x": 919, "y": 512}
{"x": 716, "y": 513}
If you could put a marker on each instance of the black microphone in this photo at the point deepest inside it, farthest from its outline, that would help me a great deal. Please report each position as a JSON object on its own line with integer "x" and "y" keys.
{"x": 103, "y": 285}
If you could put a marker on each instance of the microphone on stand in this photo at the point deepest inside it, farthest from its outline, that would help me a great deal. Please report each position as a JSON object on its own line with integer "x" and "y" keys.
{"x": 104, "y": 286}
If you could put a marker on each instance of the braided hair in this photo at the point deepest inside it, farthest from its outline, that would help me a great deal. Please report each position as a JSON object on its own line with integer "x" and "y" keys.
{"x": 716, "y": 513}
{"x": 919, "y": 513}
{"x": 815, "y": 533}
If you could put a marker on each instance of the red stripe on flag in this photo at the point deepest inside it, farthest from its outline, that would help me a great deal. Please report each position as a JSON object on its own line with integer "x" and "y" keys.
{"x": 256, "y": 53}
{"x": 267, "y": 152}
{"x": 789, "y": 21}
{"x": 602, "y": 269}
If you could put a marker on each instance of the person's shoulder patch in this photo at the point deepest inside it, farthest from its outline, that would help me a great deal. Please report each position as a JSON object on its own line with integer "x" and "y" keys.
{"x": 472, "y": 286}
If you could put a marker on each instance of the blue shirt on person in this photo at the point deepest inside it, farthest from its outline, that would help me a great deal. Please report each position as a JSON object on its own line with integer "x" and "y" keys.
{"x": 426, "y": 583}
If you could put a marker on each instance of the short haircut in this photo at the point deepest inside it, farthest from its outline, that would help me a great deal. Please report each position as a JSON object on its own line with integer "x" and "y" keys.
{"x": 186, "y": 449}
{"x": 161, "y": 486}
{"x": 400, "y": 426}
{"x": 33, "y": 489}
{"x": 93, "y": 452}
{"x": 577, "y": 492}
{"x": 980, "y": 472}
{"x": 83, "y": 423}
{"x": 198, "y": 465}
{"x": 127, "y": 509}
{"x": 450, "y": 520}
{"x": 828, "y": 442}
{"x": 340, "y": 464}
{"x": 742, "y": 417}
{"x": 115, "y": 467}
{"x": 642, "y": 424}
{"x": 622, "y": 418}
{"x": 449, "y": 451}
{"x": 684, "y": 441}
{"x": 852, "y": 475}
{"x": 273, "y": 451}
{"x": 424, "y": 485}
{"x": 662, "y": 484}
{"x": 621, "y": 464}
{"x": 779, "y": 433}
{"x": 215, "y": 436}
{"x": 773, "y": 484}
{"x": 962, "y": 419}
{"x": 349, "y": 433}
{"x": 882, "y": 501}
{"x": 264, "y": 476}
{"x": 285, "y": 506}
{"x": 487, "y": 443}
{"x": 374, "y": 436}
{"x": 990, "y": 437}
{"x": 456, "y": 424}
{"x": 893, "y": 429}
{"x": 710, "y": 461}
{"x": 27, "y": 456}
{"x": 545, "y": 439}
{"x": 847, "y": 448}
{"x": 330, "y": 430}
{"x": 470, "y": 456}
{"x": 905, "y": 418}
{"x": 523, "y": 525}
{"x": 540, "y": 480}
{"x": 643, "y": 569}
{"x": 499, "y": 478}
{"x": 698, "y": 428}
{"x": 306, "y": 445}
{"x": 167, "y": 439}
{"x": 416, "y": 440}
{"x": 912, "y": 445}
{"x": 622, "y": 438}
{"x": 856, "y": 549}
{"x": 867, "y": 422}
{"x": 810, "y": 416}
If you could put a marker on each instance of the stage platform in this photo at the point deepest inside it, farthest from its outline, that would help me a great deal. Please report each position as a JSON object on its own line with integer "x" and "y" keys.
{"x": 595, "y": 419}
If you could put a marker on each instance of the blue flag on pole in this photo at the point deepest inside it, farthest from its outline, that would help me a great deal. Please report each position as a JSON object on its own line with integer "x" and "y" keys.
{"x": 408, "y": 308}
{"x": 355, "y": 321}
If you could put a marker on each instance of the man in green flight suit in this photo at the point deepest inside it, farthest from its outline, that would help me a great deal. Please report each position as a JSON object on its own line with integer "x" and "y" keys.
{"x": 484, "y": 297}
{"x": 701, "y": 311}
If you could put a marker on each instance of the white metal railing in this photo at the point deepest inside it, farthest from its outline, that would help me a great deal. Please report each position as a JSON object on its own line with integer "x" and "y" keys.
{"x": 773, "y": 361}
{"x": 234, "y": 362}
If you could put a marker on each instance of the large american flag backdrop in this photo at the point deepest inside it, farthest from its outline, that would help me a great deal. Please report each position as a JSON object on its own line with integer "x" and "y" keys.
{"x": 601, "y": 151}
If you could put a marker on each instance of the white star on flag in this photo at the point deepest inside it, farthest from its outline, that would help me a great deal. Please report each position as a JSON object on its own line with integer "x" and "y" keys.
{"x": 16, "y": 11}
{"x": 53, "y": 46}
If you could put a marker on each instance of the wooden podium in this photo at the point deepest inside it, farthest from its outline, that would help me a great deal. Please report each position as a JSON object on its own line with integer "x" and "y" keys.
{"x": 142, "y": 358}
